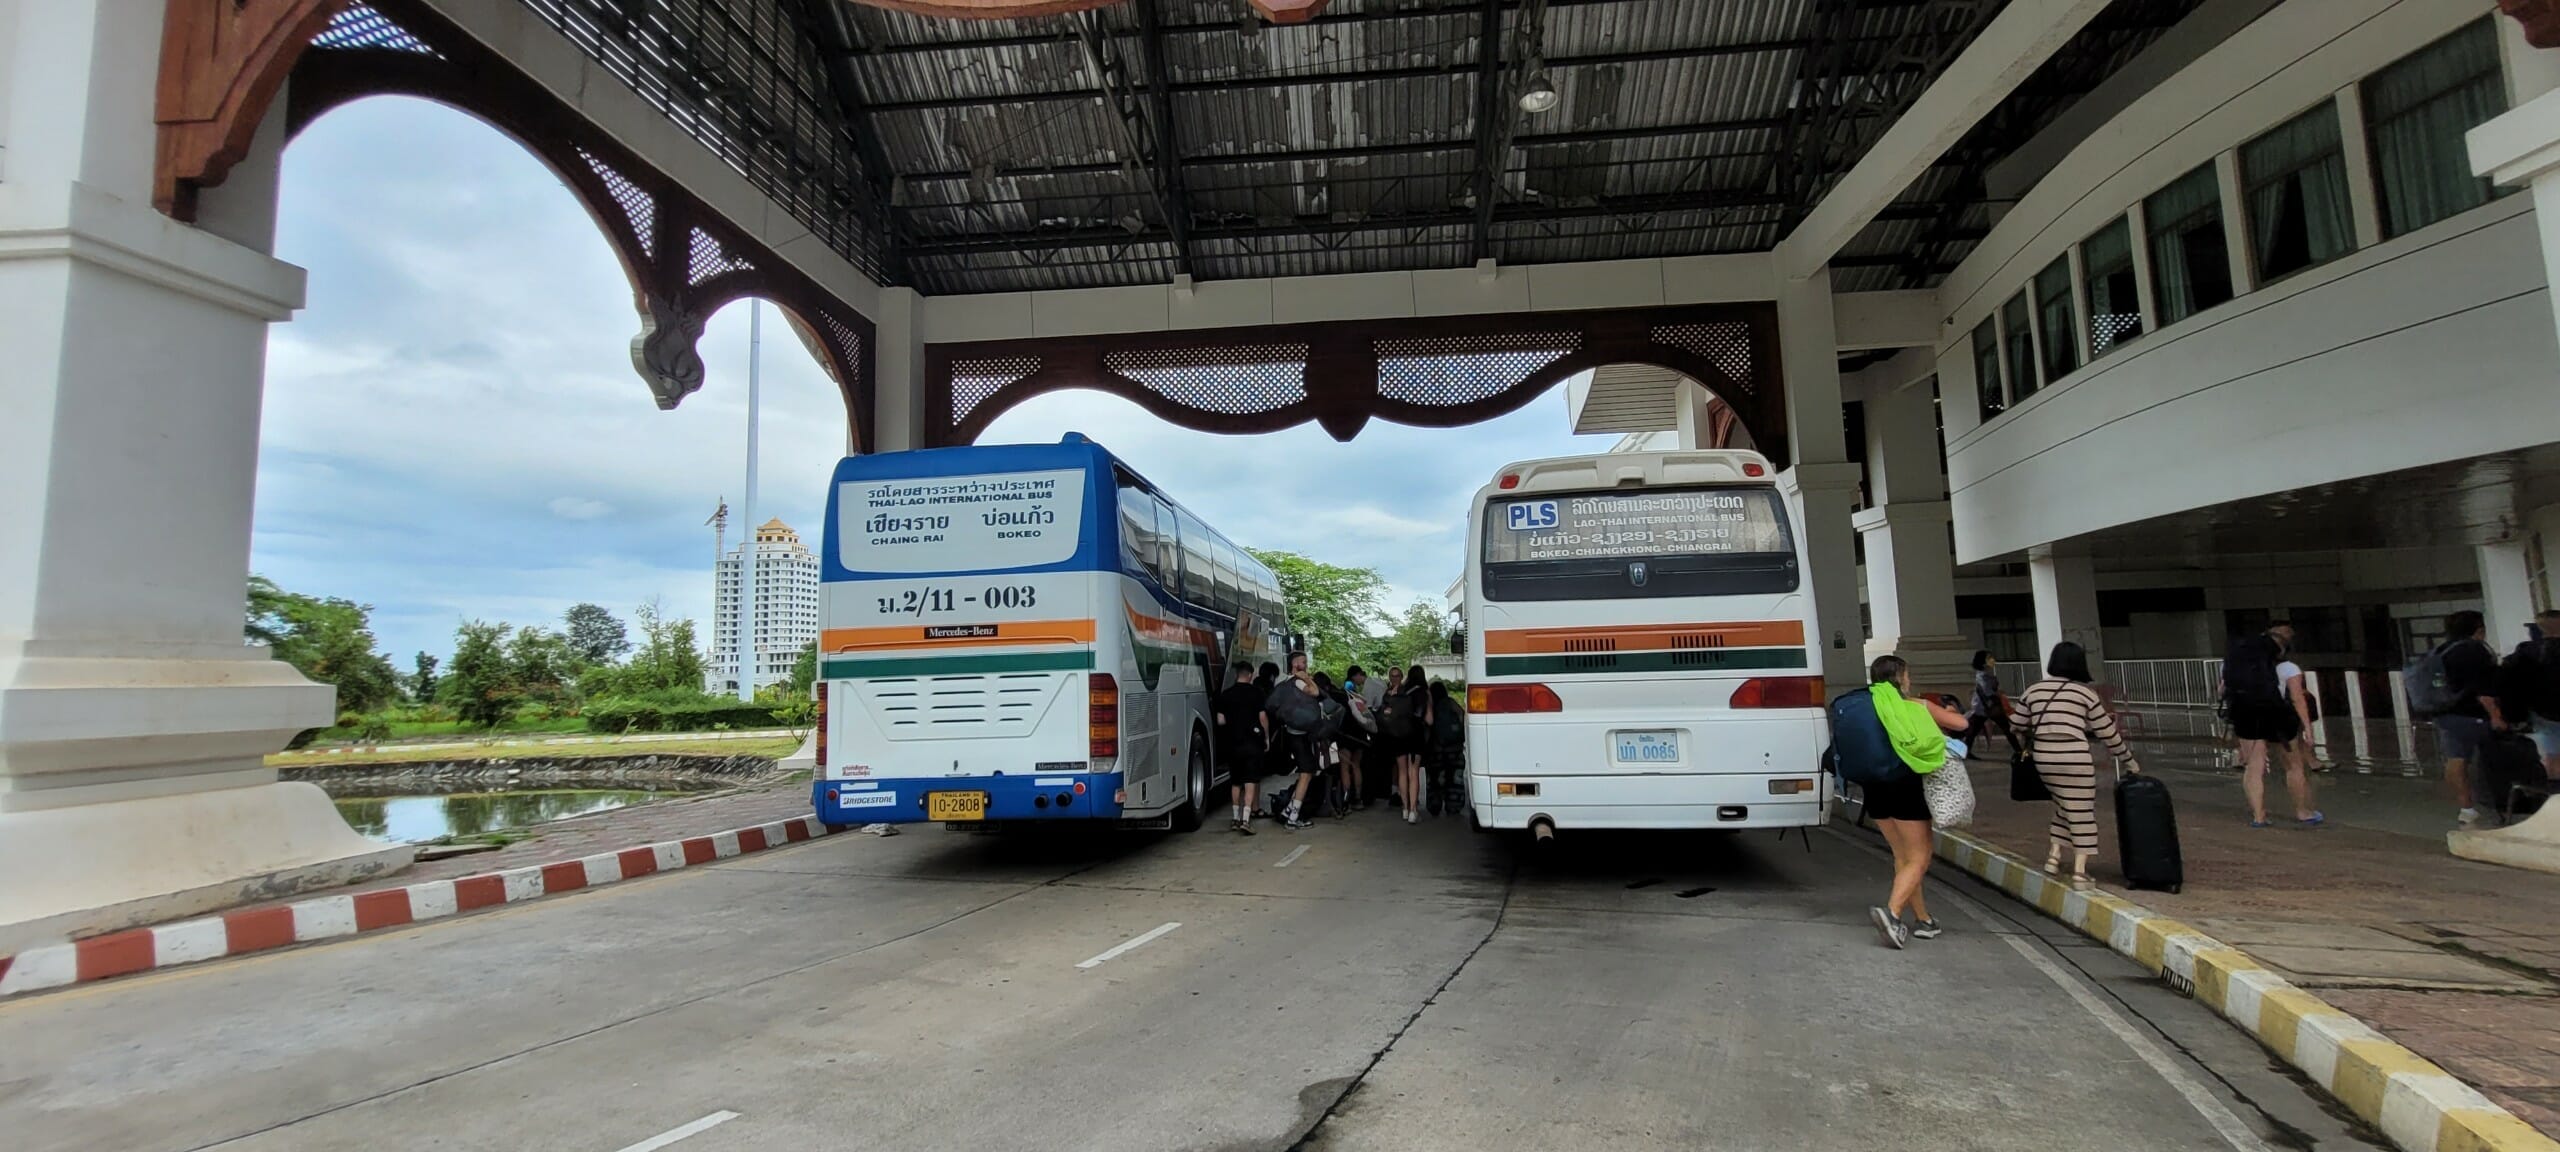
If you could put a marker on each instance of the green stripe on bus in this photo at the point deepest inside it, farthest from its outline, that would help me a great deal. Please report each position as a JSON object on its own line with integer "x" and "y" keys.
{"x": 969, "y": 665}
{"x": 1628, "y": 663}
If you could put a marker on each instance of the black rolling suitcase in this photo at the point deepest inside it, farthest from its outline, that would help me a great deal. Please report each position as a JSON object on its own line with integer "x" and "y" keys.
{"x": 2511, "y": 778}
{"x": 2147, "y": 834}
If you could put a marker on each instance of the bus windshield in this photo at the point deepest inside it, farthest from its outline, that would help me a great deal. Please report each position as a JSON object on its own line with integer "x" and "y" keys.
{"x": 1701, "y": 541}
{"x": 984, "y": 523}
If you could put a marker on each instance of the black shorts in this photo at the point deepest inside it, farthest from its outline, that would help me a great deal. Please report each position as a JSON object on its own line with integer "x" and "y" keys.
{"x": 1243, "y": 764}
{"x": 1900, "y": 797}
{"x": 2275, "y": 722}
{"x": 1295, "y": 752}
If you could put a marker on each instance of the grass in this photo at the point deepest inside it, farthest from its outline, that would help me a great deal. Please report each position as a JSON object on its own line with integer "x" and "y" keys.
{"x": 450, "y": 729}
{"x": 776, "y": 748}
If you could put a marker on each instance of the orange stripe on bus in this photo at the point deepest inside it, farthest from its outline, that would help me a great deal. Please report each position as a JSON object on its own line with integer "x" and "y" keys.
{"x": 913, "y": 636}
{"x": 1643, "y": 637}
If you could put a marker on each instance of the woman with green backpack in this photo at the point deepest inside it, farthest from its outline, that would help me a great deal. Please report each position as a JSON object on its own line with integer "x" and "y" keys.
{"x": 1917, "y": 730}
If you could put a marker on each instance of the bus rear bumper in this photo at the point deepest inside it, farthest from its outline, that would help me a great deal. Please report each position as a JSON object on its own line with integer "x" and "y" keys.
{"x": 1062, "y": 796}
{"x": 1646, "y": 801}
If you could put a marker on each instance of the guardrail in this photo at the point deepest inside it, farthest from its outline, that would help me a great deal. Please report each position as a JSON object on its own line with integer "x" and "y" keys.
{"x": 2188, "y": 683}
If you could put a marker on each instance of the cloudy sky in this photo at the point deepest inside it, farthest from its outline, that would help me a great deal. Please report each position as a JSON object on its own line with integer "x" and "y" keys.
{"x": 453, "y": 429}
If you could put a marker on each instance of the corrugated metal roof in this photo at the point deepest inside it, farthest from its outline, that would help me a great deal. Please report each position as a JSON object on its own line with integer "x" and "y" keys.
{"x": 1348, "y": 143}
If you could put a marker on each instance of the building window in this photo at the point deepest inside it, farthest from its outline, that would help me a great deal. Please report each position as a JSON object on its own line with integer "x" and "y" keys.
{"x": 2416, "y": 112}
{"x": 2190, "y": 260}
{"x": 2294, "y": 181}
{"x": 1986, "y": 371}
{"x": 2018, "y": 339}
{"x": 2106, "y": 266}
{"x": 2060, "y": 329}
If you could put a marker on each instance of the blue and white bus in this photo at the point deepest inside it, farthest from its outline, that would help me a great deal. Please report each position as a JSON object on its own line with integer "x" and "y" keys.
{"x": 1020, "y": 633}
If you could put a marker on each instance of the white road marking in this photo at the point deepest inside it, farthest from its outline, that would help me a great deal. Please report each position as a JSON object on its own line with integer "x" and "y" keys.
{"x": 1126, "y": 945}
{"x": 2235, "y": 1132}
{"x": 672, "y": 1135}
{"x": 1293, "y": 855}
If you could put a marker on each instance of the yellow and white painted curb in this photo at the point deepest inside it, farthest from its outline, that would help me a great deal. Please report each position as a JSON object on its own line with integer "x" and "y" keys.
{"x": 2421, "y": 1107}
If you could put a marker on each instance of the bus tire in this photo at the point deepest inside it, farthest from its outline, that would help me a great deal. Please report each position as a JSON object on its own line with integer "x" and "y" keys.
{"x": 1195, "y": 793}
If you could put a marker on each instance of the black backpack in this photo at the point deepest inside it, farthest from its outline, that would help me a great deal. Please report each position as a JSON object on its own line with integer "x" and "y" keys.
{"x": 2249, "y": 673}
{"x": 1400, "y": 717}
{"x": 1294, "y": 708}
{"x": 1448, "y": 722}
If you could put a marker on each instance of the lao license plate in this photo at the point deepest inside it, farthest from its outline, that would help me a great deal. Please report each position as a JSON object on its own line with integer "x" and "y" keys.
{"x": 955, "y": 806}
{"x": 1648, "y": 747}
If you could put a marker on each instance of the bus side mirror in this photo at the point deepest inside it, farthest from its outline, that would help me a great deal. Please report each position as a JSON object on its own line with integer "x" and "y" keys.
{"x": 1458, "y": 642}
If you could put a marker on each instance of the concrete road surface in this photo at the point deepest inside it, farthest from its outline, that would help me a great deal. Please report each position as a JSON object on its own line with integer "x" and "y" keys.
{"x": 1362, "y": 985}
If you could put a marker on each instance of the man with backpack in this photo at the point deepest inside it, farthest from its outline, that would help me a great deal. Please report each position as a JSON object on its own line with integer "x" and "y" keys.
{"x": 2265, "y": 721}
{"x": 2458, "y": 681}
{"x": 1296, "y": 705}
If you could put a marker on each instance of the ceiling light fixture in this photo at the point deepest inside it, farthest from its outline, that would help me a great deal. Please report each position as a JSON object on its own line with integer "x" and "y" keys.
{"x": 1540, "y": 96}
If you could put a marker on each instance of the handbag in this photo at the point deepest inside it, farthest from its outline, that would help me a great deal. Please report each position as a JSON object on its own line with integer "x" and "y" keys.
{"x": 2025, "y": 783}
{"x": 1950, "y": 794}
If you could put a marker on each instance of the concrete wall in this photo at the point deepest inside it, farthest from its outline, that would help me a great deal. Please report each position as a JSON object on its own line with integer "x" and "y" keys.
{"x": 2336, "y": 372}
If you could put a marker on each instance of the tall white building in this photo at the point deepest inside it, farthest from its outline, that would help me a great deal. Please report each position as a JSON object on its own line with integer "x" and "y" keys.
{"x": 786, "y": 608}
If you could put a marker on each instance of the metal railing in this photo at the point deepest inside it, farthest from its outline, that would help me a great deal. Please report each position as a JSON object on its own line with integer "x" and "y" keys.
{"x": 2188, "y": 683}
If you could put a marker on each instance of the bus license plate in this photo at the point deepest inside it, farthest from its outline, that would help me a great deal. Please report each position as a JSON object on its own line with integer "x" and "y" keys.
{"x": 955, "y": 806}
{"x": 1648, "y": 747}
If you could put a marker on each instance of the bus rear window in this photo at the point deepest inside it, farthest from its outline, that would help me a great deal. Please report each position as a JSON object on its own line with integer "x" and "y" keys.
{"x": 985, "y": 523}
{"x": 1656, "y": 542}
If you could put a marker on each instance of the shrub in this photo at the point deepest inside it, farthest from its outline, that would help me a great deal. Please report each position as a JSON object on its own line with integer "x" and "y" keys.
{"x": 706, "y": 715}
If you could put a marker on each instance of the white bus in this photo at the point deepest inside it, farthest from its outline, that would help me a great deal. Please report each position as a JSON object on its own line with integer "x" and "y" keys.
{"x": 1024, "y": 633}
{"x": 1640, "y": 647}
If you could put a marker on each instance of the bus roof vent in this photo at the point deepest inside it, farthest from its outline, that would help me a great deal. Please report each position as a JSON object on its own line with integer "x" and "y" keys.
{"x": 1631, "y": 476}
{"x": 1074, "y": 438}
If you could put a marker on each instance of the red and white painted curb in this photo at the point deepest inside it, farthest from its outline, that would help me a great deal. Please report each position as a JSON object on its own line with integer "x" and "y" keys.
{"x": 321, "y": 918}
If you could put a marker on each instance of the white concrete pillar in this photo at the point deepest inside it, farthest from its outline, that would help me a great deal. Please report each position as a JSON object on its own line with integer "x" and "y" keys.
{"x": 2506, "y": 593}
{"x": 1911, "y": 597}
{"x": 897, "y": 374}
{"x": 1825, "y": 482}
{"x": 2521, "y": 148}
{"x": 133, "y": 720}
{"x": 2066, "y": 592}
{"x": 1689, "y": 414}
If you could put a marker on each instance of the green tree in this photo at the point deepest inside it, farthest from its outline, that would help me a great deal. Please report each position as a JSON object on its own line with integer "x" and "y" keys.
{"x": 422, "y": 683}
{"x": 595, "y": 634}
{"x": 804, "y": 671}
{"x": 327, "y": 639}
{"x": 541, "y": 664}
{"x": 668, "y": 658}
{"x": 1423, "y": 630}
{"x": 477, "y": 683}
{"x": 1337, "y": 606}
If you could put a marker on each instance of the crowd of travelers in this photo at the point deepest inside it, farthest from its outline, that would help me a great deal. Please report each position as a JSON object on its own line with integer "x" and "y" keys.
{"x": 1334, "y": 748}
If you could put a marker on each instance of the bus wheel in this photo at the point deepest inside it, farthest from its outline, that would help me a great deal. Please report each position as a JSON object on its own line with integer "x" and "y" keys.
{"x": 1195, "y": 800}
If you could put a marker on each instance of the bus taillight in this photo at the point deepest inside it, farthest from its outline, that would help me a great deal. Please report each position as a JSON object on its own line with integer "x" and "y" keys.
{"x": 1779, "y": 692}
{"x": 821, "y": 722}
{"x": 1496, "y": 699}
{"x": 1104, "y": 718}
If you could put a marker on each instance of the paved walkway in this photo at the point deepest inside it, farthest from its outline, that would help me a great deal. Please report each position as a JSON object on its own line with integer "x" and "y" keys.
{"x": 651, "y": 823}
{"x": 2457, "y": 960}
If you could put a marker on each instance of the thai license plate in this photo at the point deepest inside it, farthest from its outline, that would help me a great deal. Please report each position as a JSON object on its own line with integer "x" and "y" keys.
{"x": 955, "y": 806}
{"x": 1648, "y": 747}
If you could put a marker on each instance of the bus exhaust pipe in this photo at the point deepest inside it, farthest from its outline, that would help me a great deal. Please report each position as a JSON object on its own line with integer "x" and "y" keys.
{"x": 1542, "y": 831}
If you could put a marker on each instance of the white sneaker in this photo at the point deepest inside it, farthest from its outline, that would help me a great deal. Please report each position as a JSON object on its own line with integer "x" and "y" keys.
{"x": 2466, "y": 818}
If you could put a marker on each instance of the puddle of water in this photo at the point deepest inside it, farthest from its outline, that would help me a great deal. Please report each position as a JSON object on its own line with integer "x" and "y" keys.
{"x": 400, "y": 819}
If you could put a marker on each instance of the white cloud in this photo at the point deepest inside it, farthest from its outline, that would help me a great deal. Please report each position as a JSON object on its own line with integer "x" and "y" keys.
{"x": 580, "y": 508}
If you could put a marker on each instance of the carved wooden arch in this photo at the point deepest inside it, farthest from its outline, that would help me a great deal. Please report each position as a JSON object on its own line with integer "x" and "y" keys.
{"x": 1433, "y": 372}
{"x": 685, "y": 261}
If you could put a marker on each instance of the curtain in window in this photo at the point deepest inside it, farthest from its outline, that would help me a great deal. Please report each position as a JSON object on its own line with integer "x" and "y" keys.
{"x": 2299, "y": 214}
{"x": 2417, "y": 111}
{"x": 2185, "y": 223}
{"x": 2018, "y": 339}
{"x": 1986, "y": 372}
{"x": 2061, "y": 329}
{"x": 2106, "y": 261}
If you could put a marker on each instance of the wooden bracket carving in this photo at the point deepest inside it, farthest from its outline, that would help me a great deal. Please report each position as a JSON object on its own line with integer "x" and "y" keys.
{"x": 221, "y": 62}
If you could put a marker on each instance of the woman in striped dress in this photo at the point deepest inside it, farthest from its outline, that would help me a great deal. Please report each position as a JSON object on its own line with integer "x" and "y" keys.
{"x": 2060, "y": 714}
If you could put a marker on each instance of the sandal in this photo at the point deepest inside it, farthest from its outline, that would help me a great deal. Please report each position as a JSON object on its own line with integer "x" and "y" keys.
{"x": 2262, "y": 823}
{"x": 2314, "y": 820}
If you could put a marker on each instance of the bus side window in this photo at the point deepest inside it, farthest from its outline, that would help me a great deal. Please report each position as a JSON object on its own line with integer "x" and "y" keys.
{"x": 1138, "y": 530}
{"x": 1168, "y": 554}
{"x": 1199, "y": 572}
{"x": 1227, "y": 597}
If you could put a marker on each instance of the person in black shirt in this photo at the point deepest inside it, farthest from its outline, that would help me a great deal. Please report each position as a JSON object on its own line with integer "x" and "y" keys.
{"x": 2471, "y": 672}
{"x": 1243, "y": 734}
{"x": 2264, "y": 720}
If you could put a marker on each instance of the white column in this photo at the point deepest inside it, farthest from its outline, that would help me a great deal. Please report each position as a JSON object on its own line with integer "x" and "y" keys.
{"x": 2521, "y": 148}
{"x": 133, "y": 720}
{"x": 1689, "y": 415}
{"x": 2506, "y": 593}
{"x": 1825, "y": 483}
{"x": 1911, "y": 596}
{"x": 898, "y": 371}
{"x": 2066, "y": 594}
